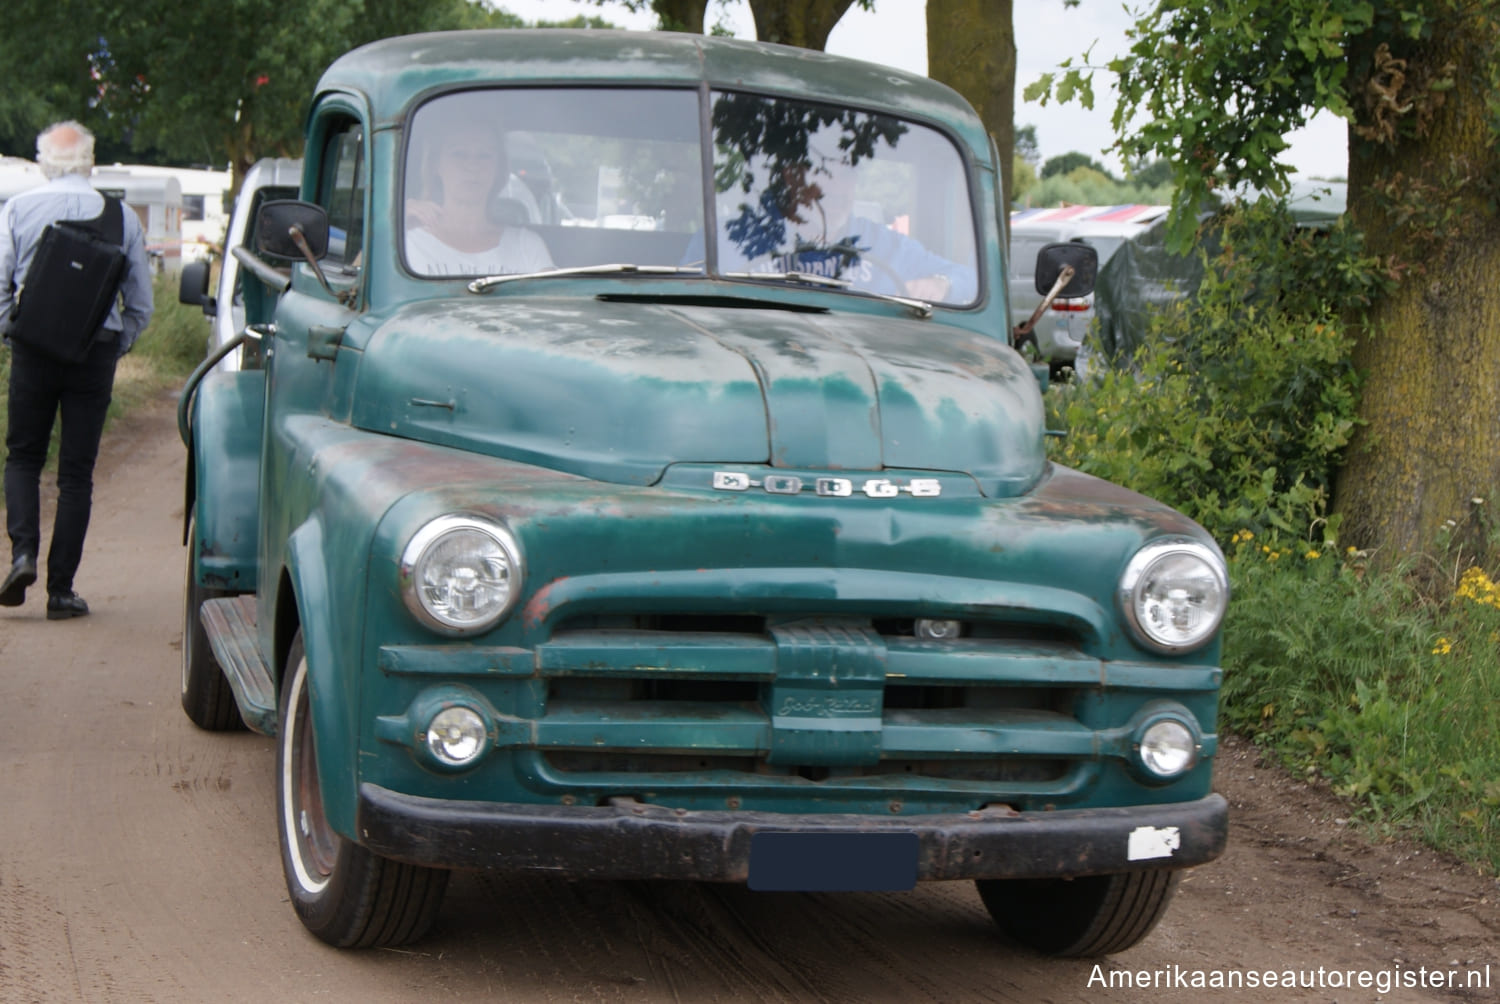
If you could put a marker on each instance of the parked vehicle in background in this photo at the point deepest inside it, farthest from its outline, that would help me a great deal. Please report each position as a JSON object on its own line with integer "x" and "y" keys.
{"x": 205, "y": 213}
{"x": 157, "y": 201}
{"x": 267, "y": 180}
{"x": 1061, "y": 330}
{"x": 1144, "y": 276}
{"x": 653, "y": 536}
{"x": 155, "y": 196}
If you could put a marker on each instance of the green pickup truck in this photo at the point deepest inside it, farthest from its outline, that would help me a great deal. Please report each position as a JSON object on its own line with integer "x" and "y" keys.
{"x": 638, "y": 482}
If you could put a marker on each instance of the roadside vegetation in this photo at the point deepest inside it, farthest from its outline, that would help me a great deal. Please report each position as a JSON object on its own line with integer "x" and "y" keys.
{"x": 172, "y": 344}
{"x": 1377, "y": 676}
{"x": 1076, "y": 179}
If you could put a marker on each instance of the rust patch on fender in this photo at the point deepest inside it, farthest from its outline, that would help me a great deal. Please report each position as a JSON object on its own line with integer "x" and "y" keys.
{"x": 539, "y": 607}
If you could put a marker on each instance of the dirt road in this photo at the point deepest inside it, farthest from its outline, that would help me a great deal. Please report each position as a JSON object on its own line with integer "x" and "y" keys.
{"x": 138, "y": 861}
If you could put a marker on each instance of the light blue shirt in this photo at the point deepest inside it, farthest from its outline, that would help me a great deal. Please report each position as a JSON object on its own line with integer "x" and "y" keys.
{"x": 71, "y": 197}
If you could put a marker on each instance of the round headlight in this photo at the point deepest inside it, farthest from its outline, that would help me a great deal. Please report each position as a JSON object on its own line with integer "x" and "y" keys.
{"x": 456, "y": 736}
{"x": 461, "y": 574}
{"x": 1168, "y": 748}
{"x": 1174, "y": 592}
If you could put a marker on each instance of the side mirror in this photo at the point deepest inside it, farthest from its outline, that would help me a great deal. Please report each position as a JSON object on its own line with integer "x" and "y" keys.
{"x": 1053, "y": 258}
{"x": 192, "y": 285}
{"x": 274, "y": 226}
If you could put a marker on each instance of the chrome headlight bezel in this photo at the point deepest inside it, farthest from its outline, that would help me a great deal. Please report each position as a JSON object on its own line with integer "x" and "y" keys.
{"x": 418, "y": 550}
{"x": 1139, "y": 579}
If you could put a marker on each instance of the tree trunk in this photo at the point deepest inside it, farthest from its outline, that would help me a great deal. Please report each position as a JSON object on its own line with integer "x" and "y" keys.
{"x": 242, "y": 154}
{"x": 680, "y": 15}
{"x": 1430, "y": 446}
{"x": 805, "y": 23}
{"x": 971, "y": 47}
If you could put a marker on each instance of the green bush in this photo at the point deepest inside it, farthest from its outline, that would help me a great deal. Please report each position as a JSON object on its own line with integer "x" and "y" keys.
{"x": 1090, "y": 188}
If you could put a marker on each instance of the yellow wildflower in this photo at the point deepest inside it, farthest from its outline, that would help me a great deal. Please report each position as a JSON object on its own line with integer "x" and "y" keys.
{"x": 1443, "y": 647}
{"x": 1475, "y": 585}
{"x": 1312, "y": 555}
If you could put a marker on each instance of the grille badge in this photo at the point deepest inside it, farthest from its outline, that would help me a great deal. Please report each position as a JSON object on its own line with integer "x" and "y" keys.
{"x": 790, "y": 484}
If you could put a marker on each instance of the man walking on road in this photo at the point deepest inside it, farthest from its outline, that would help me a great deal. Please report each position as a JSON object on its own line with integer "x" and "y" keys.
{"x": 41, "y": 385}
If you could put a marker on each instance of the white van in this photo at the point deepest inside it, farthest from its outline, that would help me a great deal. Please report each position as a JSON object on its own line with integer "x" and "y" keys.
{"x": 1059, "y": 332}
{"x": 267, "y": 180}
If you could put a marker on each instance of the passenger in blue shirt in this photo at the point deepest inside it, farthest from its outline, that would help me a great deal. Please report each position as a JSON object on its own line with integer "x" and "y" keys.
{"x": 820, "y": 234}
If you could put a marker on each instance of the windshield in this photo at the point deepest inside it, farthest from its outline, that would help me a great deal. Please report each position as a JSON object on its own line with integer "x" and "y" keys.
{"x": 518, "y": 181}
{"x": 846, "y": 194}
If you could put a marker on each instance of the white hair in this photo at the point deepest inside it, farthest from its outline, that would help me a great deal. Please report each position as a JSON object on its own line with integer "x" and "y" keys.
{"x": 65, "y": 148}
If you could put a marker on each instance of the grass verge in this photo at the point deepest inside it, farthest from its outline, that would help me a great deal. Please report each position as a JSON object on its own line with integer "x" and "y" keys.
{"x": 1379, "y": 683}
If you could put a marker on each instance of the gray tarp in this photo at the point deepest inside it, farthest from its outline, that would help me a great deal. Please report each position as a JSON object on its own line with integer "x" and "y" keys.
{"x": 1143, "y": 276}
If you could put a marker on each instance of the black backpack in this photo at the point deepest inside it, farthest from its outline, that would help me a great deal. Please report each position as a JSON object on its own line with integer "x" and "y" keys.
{"x": 71, "y": 284}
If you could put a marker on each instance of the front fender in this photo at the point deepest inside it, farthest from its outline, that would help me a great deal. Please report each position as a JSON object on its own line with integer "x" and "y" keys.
{"x": 227, "y": 427}
{"x": 332, "y": 667}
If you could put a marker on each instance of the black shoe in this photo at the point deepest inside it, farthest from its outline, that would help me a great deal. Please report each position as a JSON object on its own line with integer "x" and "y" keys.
{"x": 22, "y": 574}
{"x": 61, "y": 606}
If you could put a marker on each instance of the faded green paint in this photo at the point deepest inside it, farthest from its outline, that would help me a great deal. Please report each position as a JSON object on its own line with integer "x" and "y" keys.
{"x": 619, "y": 391}
{"x": 227, "y": 419}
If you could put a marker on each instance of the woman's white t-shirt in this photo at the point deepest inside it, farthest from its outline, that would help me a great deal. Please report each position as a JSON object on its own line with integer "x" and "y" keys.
{"x": 519, "y": 250}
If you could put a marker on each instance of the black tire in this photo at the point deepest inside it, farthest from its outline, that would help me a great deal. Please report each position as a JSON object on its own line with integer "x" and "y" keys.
{"x": 206, "y": 695}
{"x": 1080, "y": 917}
{"x": 343, "y": 893}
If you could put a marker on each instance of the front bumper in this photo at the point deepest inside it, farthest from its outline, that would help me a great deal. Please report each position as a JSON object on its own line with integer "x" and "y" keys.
{"x": 634, "y": 840}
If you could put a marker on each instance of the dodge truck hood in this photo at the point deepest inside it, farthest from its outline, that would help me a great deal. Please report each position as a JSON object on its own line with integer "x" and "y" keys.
{"x": 617, "y": 391}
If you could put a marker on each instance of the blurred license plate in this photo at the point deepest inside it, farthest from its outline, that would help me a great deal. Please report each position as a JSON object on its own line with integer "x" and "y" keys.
{"x": 833, "y": 862}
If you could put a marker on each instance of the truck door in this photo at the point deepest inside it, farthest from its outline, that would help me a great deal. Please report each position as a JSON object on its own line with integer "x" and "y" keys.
{"x": 310, "y": 322}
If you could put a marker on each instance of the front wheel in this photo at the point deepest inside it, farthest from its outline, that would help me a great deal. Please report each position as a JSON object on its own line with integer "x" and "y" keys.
{"x": 1085, "y": 916}
{"x": 343, "y": 893}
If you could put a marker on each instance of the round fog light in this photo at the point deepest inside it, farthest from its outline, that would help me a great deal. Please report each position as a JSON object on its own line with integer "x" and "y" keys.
{"x": 1168, "y": 748}
{"x": 932, "y": 630}
{"x": 456, "y": 736}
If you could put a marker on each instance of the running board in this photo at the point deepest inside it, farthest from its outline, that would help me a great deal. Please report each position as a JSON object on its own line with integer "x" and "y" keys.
{"x": 230, "y": 626}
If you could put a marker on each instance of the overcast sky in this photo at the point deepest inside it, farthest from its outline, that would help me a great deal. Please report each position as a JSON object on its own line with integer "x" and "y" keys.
{"x": 1046, "y": 33}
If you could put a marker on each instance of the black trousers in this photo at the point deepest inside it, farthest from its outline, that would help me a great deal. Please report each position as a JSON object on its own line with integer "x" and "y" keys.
{"x": 40, "y": 388}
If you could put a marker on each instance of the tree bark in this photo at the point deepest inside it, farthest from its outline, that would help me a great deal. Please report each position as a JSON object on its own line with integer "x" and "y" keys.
{"x": 971, "y": 47}
{"x": 680, "y": 15}
{"x": 804, "y": 23}
{"x": 1430, "y": 444}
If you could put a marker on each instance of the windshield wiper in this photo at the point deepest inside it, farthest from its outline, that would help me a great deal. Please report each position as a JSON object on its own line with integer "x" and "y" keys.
{"x": 811, "y": 278}
{"x": 483, "y": 284}
{"x": 920, "y": 307}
